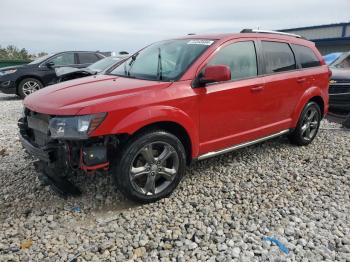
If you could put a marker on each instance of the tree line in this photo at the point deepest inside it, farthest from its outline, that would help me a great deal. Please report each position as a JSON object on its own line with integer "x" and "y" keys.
{"x": 12, "y": 52}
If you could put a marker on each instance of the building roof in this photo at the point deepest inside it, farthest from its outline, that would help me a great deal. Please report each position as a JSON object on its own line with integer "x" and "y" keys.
{"x": 338, "y": 31}
{"x": 315, "y": 27}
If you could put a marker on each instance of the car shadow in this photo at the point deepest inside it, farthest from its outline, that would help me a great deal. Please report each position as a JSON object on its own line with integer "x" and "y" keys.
{"x": 10, "y": 98}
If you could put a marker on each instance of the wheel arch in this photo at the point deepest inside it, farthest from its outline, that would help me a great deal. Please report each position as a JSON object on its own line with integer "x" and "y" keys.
{"x": 21, "y": 78}
{"x": 312, "y": 94}
{"x": 170, "y": 119}
{"x": 174, "y": 129}
{"x": 319, "y": 101}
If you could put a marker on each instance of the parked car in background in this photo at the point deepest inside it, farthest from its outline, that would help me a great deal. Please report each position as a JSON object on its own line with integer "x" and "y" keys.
{"x": 342, "y": 60}
{"x": 176, "y": 101}
{"x": 25, "y": 79}
{"x": 100, "y": 67}
{"x": 330, "y": 58}
{"x": 339, "y": 86}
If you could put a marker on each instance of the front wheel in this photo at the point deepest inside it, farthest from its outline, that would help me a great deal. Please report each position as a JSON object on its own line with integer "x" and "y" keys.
{"x": 28, "y": 86}
{"x": 150, "y": 166}
{"x": 308, "y": 125}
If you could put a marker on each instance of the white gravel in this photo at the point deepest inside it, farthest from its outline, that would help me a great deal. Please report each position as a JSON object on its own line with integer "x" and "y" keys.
{"x": 221, "y": 211}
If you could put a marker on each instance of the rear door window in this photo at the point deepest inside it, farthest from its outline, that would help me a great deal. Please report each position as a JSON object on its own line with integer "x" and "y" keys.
{"x": 306, "y": 56}
{"x": 240, "y": 57}
{"x": 88, "y": 58}
{"x": 278, "y": 56}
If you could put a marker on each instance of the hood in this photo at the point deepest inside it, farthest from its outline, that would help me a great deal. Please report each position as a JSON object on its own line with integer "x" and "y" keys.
{"x": 68, "y": 98}
{"x": 64, "y": 71}
{"x": 12, "y": 67}
{"x": 340, "y": 73}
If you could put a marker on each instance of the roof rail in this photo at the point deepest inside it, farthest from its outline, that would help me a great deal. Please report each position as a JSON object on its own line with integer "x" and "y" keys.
{"x": 269, "y": 32}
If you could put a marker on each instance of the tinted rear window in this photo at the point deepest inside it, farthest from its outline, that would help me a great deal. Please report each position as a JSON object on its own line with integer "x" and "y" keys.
{"x": 88, "y": 58}
{"x": 278, "y": 57}
{"x": 306, "y": 56}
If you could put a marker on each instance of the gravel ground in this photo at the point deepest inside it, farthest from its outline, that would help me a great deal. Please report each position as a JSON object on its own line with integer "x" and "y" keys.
{"x": 221, "y": 211}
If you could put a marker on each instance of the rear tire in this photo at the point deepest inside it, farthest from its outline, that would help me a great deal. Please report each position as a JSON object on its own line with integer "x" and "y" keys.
{"x": 150, "y": 166}
{"x": 308, "y": 125}
{"x": 28, "y": 86}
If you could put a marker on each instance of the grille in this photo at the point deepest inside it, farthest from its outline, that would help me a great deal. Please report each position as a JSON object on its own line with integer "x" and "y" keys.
{"x": 38, "y": 125}
{"x": 338, "y": 89}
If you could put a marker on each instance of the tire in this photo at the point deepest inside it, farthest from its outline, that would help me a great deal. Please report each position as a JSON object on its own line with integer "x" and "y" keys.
{"x": 150, "y": 166}
{"x": 308, "y": 125}
{"x": 28, "y": 86}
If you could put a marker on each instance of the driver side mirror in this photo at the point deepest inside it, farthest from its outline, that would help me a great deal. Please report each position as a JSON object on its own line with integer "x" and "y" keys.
{"x": 50, "y": 64}
{"x": 215, "y": 73}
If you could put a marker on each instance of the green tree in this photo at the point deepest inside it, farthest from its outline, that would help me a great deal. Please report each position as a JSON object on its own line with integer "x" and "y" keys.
{"x": 3, "y": 53}
{"x": 11, "y": 52}
{"x": 42, "y": 54}
{"x": 23, "y": 54}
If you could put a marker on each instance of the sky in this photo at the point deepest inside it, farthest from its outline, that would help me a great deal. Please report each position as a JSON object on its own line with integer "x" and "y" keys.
{"x": 114, "y": 25}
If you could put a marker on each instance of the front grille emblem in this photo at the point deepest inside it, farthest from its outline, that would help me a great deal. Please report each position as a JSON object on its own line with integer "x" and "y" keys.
{"x": 332, "y": 81}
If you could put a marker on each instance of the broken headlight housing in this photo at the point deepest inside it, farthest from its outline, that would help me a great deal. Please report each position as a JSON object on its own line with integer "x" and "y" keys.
{"x": 75, "y": 127}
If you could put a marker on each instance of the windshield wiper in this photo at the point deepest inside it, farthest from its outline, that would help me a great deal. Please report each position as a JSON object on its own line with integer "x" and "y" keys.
{"x": 160, "y": 68}
{"x": 133, "y": 58}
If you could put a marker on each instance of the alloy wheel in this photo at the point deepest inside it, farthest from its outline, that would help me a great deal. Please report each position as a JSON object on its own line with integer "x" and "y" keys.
{"x": 154, "y": 168}
{"x": 30, "y": 87}
{"x": 310, "y": 123}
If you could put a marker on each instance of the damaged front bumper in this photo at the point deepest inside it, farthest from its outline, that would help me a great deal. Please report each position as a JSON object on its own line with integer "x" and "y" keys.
{"x": 84, "y": 154}
{"x": 37, "y": 152}
{"x": 58, "y": 159}
{"x": 44, "y": 152}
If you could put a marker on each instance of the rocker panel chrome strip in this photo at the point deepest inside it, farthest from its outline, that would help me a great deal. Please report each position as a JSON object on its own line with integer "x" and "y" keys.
{"x": 235, "y": 147}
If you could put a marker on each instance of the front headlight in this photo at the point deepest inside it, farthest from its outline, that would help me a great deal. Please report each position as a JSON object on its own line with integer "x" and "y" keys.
{"x": 75, "y": 127}
{"x": 7, "y": 72}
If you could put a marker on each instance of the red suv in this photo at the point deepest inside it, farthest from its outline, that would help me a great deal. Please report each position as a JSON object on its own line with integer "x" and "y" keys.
{"x": 176, "y": 101}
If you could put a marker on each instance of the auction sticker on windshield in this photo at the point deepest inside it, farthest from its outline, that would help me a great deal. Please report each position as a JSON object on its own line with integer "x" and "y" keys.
{"x": 200, "y": 42}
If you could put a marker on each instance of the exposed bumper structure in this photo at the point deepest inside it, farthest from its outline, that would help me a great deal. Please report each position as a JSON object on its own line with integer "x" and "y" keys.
{"x": 37, "y": 152}
{"x": 58, "y": 159}
{"x": 86, "y": 155}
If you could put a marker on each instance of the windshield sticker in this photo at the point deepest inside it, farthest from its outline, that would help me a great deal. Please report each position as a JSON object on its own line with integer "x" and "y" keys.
{"x": 200, "y": 42}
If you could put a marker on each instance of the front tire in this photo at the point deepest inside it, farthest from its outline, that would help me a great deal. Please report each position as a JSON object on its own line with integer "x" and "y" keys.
{"x": 28, "y": 86}
{"x": 308, "y": 125}
{"x": 150, "y": 166}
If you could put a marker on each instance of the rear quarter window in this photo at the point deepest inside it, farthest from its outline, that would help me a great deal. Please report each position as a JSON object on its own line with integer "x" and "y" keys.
{"x": 88, "y": 58}
{"x": 305, "y": 56}
{"x": 278, "y": 57}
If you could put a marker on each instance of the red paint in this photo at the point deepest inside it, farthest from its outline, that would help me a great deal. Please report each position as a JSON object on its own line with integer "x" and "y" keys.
{"x": 215, "y": 117}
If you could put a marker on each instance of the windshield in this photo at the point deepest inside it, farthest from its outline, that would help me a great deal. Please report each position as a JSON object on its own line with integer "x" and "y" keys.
{"x": 166, "y": 60}
{"x": 40, "y": 59}
{"x": 104, "y": 63}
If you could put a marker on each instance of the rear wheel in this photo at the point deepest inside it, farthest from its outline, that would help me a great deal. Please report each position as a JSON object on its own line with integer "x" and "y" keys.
{"x": 150, "y": 166}
{"x": 28, "y": 86}
{"x": 308, "y": 125}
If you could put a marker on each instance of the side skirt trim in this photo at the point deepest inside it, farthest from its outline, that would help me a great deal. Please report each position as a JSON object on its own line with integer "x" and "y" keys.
{"x": 235, "y": 147}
